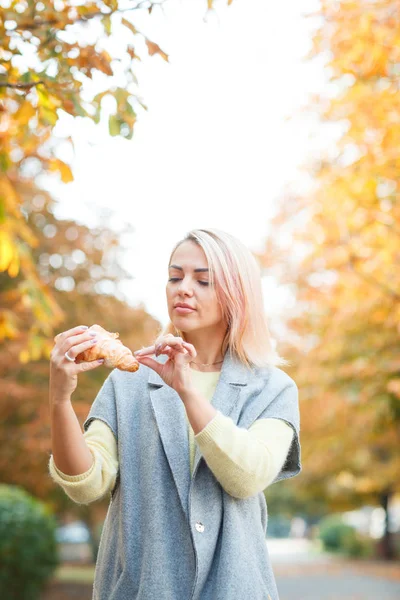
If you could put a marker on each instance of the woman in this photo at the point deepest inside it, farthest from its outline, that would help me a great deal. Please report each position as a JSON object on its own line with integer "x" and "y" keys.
{"x": 187, "y": 444}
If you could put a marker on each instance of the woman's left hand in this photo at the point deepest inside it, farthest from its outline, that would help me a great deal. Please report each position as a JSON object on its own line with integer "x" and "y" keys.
{"x": 175, "y": 372}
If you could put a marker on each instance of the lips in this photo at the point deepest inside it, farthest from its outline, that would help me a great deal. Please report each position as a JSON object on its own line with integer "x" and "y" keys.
{"x": 181, "y": 305}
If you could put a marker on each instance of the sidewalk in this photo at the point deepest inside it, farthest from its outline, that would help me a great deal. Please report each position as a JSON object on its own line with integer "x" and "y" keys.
{"x": 304, "y": 572}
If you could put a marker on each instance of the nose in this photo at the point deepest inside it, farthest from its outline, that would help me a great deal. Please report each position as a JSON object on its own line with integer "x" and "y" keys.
{"x": 185, "y": 287}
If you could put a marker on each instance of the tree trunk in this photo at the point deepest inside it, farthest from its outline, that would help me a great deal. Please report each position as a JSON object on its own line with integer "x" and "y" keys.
{"x": 387, "y": 547}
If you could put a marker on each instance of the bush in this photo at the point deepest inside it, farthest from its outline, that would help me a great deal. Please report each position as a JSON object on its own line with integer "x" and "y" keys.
{"x": 357, "y": 545}
{"x": 28, "y": 547}
{"x": 338, "y": 536}
{"x": 332, "y": 532}
{"x": 278, "y": 526}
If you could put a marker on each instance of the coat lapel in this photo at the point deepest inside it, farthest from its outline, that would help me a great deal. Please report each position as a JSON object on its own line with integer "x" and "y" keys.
{"x": 171, "y": 420}
{"x": 169, "y": 413}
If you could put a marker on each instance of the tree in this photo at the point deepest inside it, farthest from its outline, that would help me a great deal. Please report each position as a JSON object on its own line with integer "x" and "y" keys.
{"x": 81, "y": 266}
{"x": 55, "y": 274}
{"x": 345, "y": 329}
{"x": 46, "y": 62}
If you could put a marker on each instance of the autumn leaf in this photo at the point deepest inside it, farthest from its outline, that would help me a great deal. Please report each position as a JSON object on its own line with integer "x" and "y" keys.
{"x": 61, "y": 167}
{"x": 155, "y": 49}
{"x": 129, "y": 25}
{"x": 6, "y": 250}
{"x": 114, "y": 125}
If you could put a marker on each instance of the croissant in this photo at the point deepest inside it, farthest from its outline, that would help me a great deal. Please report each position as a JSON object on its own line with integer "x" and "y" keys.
{"x": 115, "y": 354}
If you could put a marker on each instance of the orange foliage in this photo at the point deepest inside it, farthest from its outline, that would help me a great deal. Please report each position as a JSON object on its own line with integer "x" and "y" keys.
{"x": 346, "y": 322}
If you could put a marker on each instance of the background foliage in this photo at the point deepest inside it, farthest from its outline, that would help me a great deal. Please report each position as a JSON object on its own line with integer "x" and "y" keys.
{"x": 345, "y": 326}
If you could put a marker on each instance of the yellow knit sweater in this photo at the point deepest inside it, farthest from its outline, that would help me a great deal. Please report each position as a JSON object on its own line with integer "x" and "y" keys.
{"x": 244, "y": 461}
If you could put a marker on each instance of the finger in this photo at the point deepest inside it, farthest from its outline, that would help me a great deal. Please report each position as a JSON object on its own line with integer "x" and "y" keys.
{"x": 166, "y": 350}
{"x": 190, "y": 348}
{"x": 74, "y": 350}
{"x": 155, "y": 349}
{"x": 77, "y": 339}
{"x": 172, "y": 342}
{"x": 163, "y": 350}
{"x": 147, "y": 350}
{"x": 88, "y": 366}
{"x": 150, "y": 362}
{"x": 167, "y": 339}
{"x": 171, "y": 352}
{"x": 74, "y": 331}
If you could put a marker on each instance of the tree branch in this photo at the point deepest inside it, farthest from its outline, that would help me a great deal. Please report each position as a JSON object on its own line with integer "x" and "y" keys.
{"x": 352, "y": 264}
{"x": 84, "y": 18}
{"x": 20, "y": 85}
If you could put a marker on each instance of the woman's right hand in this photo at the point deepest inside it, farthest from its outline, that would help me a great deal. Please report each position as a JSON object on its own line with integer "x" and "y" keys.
{"x": 64, "y": 373}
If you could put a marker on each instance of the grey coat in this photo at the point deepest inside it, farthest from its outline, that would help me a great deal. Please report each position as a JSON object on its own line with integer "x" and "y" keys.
{"x": 170, "y": 536}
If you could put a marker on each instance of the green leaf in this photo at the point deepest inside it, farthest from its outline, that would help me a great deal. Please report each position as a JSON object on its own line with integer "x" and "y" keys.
{"x": 98, "y": 98}
{"x": 2, "y": 210}
{"x": 49, "y": 117}
{"x": 106, "y": 20}
{"x": 97, "y": 103}
{"x": 5, "y": 162}
{"x": 80, "y": 111}
{"x": 114, "y": 125}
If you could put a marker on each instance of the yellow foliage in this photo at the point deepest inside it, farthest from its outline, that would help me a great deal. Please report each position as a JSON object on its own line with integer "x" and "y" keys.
{"x": 25, "y": 112}
{"x": 24, "y": 356}
{"x": 32, "y": 92}
{"x": 58, "y": 165}
{"x": 7, "y": 327}
{"x": 6, "y": 250}
{"x": 347, "y": 286}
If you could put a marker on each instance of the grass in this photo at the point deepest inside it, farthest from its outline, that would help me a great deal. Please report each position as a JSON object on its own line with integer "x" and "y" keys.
{"x": 72, "y": 574}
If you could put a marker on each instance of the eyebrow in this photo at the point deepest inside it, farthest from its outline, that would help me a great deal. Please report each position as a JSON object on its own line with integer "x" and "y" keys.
{"x": 180, "y": 269}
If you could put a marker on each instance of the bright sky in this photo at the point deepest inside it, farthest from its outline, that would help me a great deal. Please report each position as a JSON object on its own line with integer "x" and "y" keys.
{"x": 214, "y": 149}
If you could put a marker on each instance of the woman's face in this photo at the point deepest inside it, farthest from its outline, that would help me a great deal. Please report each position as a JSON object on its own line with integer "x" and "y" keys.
{"x": 188, "y": 283}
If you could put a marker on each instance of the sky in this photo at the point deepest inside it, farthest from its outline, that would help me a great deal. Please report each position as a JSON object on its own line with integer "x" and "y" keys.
{"x": 222, "y": 139}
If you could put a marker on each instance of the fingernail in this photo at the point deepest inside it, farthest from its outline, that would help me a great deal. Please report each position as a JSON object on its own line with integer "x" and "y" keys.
{"x": 84, "y": 327}
{"x": 101, "y": 360}
{"x": 137, "y": 352}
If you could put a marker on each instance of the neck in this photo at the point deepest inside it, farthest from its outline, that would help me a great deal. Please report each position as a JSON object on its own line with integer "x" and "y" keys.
{"x": 209, "y": 349}
{"x": 206, "y": 369}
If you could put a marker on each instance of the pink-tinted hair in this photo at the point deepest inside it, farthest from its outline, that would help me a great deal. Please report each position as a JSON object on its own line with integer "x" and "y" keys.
{"x": 237, "y": 278}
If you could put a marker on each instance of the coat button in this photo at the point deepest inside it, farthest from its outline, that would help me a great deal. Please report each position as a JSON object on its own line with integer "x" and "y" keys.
{"x": 200, "y": 527}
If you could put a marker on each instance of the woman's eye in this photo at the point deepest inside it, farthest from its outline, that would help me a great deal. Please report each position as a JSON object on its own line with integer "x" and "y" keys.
{"x": 173, "y": 279}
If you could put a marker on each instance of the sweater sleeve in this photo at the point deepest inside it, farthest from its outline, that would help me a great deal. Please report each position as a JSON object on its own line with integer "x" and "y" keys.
{"x": 100, "y": 478}
{"x": 245, "y": 461}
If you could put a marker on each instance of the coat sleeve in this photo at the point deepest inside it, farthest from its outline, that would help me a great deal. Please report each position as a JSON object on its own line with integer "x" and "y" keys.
{"x": 285, "y": 406}
{"x": 104, "y": 406}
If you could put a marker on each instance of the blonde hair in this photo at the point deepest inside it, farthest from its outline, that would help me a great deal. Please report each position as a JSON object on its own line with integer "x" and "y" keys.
{"x": 238, "y": 289}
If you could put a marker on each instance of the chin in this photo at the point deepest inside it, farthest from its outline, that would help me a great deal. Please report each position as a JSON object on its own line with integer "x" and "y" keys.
{"x": 183, "y": 324}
